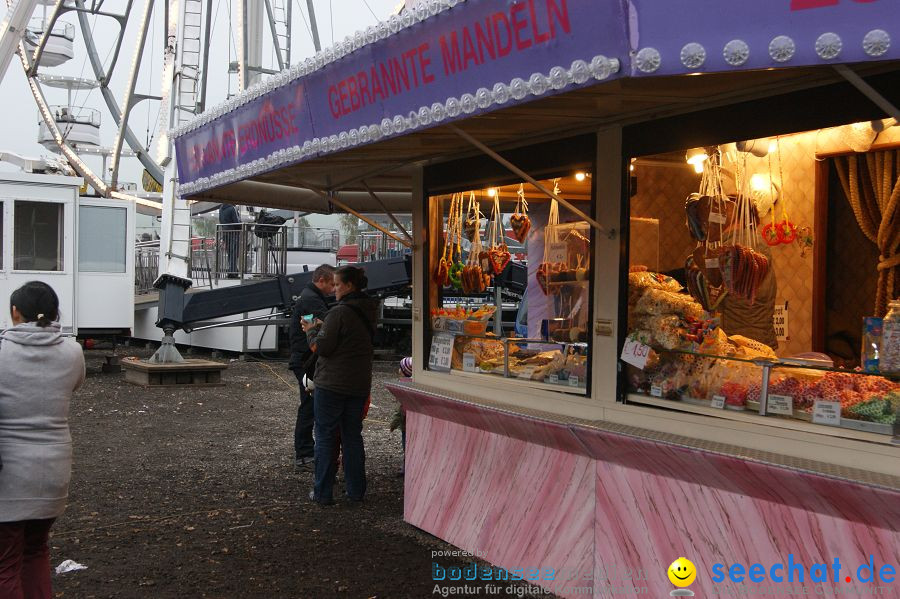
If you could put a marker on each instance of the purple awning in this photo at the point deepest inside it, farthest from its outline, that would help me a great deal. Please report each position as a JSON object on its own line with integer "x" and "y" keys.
{"x": 444, "y": 61}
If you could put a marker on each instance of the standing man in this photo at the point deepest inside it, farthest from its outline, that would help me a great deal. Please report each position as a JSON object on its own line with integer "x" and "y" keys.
{"x": 231, "y": 235}
{"x": 313, "y": 300}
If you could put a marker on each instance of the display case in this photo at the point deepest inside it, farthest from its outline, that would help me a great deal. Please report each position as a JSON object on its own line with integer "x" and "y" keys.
{"x": 537, "y": 360}
{"x": 548, "y": 345}
{"x": 792, "y": 389}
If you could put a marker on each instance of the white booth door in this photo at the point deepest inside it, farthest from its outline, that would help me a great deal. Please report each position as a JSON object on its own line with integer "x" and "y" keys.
{"x": 38, "y": 245}
{"x": 105, "y": 282}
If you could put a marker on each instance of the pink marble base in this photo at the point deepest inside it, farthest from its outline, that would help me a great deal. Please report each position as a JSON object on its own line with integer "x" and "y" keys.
{"x": 612, "y": 512}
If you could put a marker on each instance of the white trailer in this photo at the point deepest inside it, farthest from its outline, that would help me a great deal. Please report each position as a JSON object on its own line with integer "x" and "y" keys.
{"x": 80, "y": 246}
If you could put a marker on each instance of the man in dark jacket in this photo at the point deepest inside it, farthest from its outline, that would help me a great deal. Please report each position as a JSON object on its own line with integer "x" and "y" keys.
{"x": 231, "y": 235}
{"x": 313, "y": 300}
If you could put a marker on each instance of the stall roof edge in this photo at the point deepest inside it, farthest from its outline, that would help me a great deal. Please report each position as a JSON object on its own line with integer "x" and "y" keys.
{"x": 387, "y": 166}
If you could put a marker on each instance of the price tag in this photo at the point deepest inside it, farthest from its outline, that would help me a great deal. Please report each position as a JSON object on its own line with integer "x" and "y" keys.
{"x": 526, "y": 372}
{"x": 656, "y": 391}
{"x": 635, "y": 353}
{"x": 441, "y": 351}
{"x": 468, "y": 362}
{"x": 827, "y": 412}
{"x": 780, "y": 404}
{"x": 718, "y": 401}
{"x": 716, "y": 217}
{"x": 553, "y": 378}
{"x": 573, "y": 381}
{"x": 558, "y": 252}
{"x": 712, "y": 263}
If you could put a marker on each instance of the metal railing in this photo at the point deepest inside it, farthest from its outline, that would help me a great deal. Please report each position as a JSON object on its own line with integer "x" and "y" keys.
{"x": 37, "y": 27}
{"x": 377, "y": 246}
{"x": 146, "y": 266}
{"x": 312, "y": 238}
{"x": 249, "y": 250}
{"x": 75, "y": 114}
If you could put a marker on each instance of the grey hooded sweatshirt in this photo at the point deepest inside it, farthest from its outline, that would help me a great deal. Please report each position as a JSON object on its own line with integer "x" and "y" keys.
{"x": 39, "y": 370}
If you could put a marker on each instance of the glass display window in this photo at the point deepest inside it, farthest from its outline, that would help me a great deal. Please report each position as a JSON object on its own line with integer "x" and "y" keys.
{"x": 510, "y": 283}
{"x": 730, "y": 287}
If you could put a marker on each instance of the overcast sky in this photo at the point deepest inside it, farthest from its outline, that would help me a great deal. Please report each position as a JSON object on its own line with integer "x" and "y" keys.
{"x": 336, "y": 19}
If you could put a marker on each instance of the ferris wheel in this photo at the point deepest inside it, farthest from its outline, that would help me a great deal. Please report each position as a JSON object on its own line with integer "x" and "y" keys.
{"x": 156, "y": 64}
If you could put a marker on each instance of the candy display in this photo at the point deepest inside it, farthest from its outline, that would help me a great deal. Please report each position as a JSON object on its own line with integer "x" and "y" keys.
{"x": 473, "y": 277}
{"x": 743, "y": 270}
{"x": 520, "y": 221}
{"x": 498, "y": 254}
{"x": 694, "y": 359}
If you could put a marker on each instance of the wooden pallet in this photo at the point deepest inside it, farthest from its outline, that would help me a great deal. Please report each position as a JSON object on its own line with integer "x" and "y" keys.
{"x": 191, "y": 372}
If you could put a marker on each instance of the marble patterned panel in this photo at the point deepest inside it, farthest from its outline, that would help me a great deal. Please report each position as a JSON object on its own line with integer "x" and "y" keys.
{"x": 623, "y": 508}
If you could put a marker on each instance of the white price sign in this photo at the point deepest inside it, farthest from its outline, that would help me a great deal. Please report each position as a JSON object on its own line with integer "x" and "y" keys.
{"x": 712, "y": 263}
{"x": 553, "y": 378}
{"x": 782, "y": 405}
{"x": 780, "y": 321}
{"x": 573, "y": 381}
{"x": 716, "y": 217}
{"x": 635, "y": 353}
{"x": 558, "y": 252}
{"x": 441, "y": 352}
{"x": 656, "y": 391}
{"x": 718, "y": 401}
{"x": 827, "y": 412}
{"x": 468, "y": 362}
{"x": 526, "y": 372}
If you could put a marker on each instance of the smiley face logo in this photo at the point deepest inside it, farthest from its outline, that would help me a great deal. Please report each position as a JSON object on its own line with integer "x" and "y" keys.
{"x": 682, "y": 572}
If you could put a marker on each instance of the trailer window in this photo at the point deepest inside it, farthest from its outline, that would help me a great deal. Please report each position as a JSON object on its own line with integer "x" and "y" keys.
{"x": 37, "y": 236}
{"x": 101, "y": 239}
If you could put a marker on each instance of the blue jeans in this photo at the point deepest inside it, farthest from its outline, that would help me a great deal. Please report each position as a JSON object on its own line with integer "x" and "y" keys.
{"x": 339, "y": 412}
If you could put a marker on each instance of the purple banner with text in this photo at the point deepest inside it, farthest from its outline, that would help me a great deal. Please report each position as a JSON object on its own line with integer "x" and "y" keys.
{"x": 437, "y": 64}
{"x": 474, "y": 45}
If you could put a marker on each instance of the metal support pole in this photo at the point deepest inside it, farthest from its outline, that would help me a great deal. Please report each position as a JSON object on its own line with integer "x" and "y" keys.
{"x": 516, "y": 170}
{"x": 867, "y": 90}
{"x": 764, "y": 389}
{"x": 201, "y": 105}
{"x": 388, "y": 212}
{"x": 274, "y": 30}
{"x": 312, "y": 25}
{"x": 498, "y": 315}
{"x": 129, "y": 93}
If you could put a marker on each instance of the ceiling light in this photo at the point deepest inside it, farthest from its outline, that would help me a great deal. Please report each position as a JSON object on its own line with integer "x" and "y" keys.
{"x": 696, "y": 157}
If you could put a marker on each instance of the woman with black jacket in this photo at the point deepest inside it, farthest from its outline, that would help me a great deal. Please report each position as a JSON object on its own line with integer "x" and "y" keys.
{"x": 343, "y": 381}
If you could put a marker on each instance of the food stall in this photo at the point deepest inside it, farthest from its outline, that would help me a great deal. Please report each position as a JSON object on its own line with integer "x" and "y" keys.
{"x": 706, "y": 197}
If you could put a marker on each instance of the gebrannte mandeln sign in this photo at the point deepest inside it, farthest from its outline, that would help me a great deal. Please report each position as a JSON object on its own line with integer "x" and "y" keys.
{"x": 446, "y": 60}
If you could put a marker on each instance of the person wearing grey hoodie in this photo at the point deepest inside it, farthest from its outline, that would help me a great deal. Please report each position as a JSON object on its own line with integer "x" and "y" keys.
{"x": 39, "y": 371}
{"x": 343, "y": 380}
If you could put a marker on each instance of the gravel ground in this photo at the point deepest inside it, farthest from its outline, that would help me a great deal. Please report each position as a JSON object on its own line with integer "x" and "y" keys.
{"x": 191, "y": 492}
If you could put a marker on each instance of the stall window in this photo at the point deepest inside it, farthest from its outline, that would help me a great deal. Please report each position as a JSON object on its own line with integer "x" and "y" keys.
{"x": 38, "y": 236}
{"x": 510, "y": 285}
{"x": 721, "y": 290}
{"x": 101, "y": 239}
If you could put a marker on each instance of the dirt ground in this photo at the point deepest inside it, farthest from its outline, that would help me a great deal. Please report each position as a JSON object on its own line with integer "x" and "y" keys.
{"x": 192, "y": 493}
